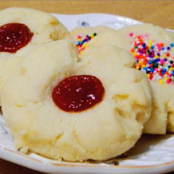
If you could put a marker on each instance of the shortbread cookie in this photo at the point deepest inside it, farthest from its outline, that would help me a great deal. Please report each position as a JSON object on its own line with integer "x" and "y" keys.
{"x": 73, "y": 110}
{"x": 22, "y": 30}
{"x": 152, "y": 46}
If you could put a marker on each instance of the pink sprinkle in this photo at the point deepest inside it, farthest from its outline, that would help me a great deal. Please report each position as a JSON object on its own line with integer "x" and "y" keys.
{"x": 131, "y": 34}
{"x": 169, "y": 80}
{"x": 162, "y": 61}
{"x": 159, "y": 47}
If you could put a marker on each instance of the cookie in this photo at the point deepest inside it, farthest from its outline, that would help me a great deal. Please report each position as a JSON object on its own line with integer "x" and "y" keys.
{"x": 152, "y": 47}
{"x": 158, "y": 65}
{"x": 22, "y": 30}
{"x": 72, "y": 110}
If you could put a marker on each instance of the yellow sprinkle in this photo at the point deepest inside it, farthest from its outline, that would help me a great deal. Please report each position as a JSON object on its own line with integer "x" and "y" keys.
{"x": 161, "y": 81}
{"x": 140, "y": 62}
{"x": 150, "y": 42}
{"x": 135, "y": 54}
{"x": 84, "y": 44}
{"x": 137, "y": 68}
{"x": 148, "y": 75}
{"x": 143, "y": 66}
{"x": 170, "y": 69}
{"x": 164, "y": 56}
{"x": 156, "y": 56}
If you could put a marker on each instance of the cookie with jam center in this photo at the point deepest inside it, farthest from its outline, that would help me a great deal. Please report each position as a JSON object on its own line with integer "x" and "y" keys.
{"x": 69, "y": 109}
{"x": 22, "y": 30}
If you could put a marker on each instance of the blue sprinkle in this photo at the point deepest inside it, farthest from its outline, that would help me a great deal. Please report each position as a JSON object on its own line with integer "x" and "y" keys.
{"x": 171, "y": 44}
{"x": 152, "y": 70}
{"x": 164, "y": 70}
{"x": 165, "y": 59}
{"x": 157, "y": 60}
{"x": 158, "y": 54}
{"x": 168, "y": 48}
{"x": 163, "y": 48}
{"x": 149, "y": 62}
{"x": 152, "y": 47}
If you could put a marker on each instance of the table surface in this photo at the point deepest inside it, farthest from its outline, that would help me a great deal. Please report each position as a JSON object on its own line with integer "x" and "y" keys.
{"x": 158, "y": 12}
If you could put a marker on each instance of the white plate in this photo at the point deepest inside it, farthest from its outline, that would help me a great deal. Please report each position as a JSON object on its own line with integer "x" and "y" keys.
{"x": 152, "y": 154}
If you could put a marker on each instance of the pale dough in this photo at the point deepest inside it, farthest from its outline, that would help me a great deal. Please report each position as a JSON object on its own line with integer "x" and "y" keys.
{"x": 162, "y": 117}
{"x": 45, "y": 28}
{"x": 104, "y": 131}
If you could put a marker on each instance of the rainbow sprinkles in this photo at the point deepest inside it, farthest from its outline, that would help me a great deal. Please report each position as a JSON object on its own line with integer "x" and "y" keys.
{"x": 81, "y": 43}
{"x": 153, "y": 58}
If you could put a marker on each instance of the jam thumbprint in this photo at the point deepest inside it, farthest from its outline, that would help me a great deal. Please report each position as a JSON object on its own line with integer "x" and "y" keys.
{"x": 14, "y": 36}
{"x": 78, "y": 93}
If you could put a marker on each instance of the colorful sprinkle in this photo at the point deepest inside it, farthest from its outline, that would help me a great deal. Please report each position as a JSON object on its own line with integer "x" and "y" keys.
{"x": 81, "y": 43}
{"x": 131, "y": 34}
{"x": 153, "y": 58}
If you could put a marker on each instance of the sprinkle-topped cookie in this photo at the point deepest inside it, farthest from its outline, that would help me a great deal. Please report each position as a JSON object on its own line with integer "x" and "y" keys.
{"x": 81, "y": 41}
{"x": 153, "y": 58}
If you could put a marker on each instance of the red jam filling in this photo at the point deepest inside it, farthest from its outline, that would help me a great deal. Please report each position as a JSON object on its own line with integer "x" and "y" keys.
{"x": 78, "y": 93}
{"x": 14, "y": 36}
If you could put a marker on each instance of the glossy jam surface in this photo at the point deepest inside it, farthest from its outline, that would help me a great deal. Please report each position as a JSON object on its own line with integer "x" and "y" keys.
{"x": 78, "y": 93}
{"x": 14, "y": 36}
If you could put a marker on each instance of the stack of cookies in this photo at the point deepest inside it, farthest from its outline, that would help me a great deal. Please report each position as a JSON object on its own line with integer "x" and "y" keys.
{"x": 85, "y": 94}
